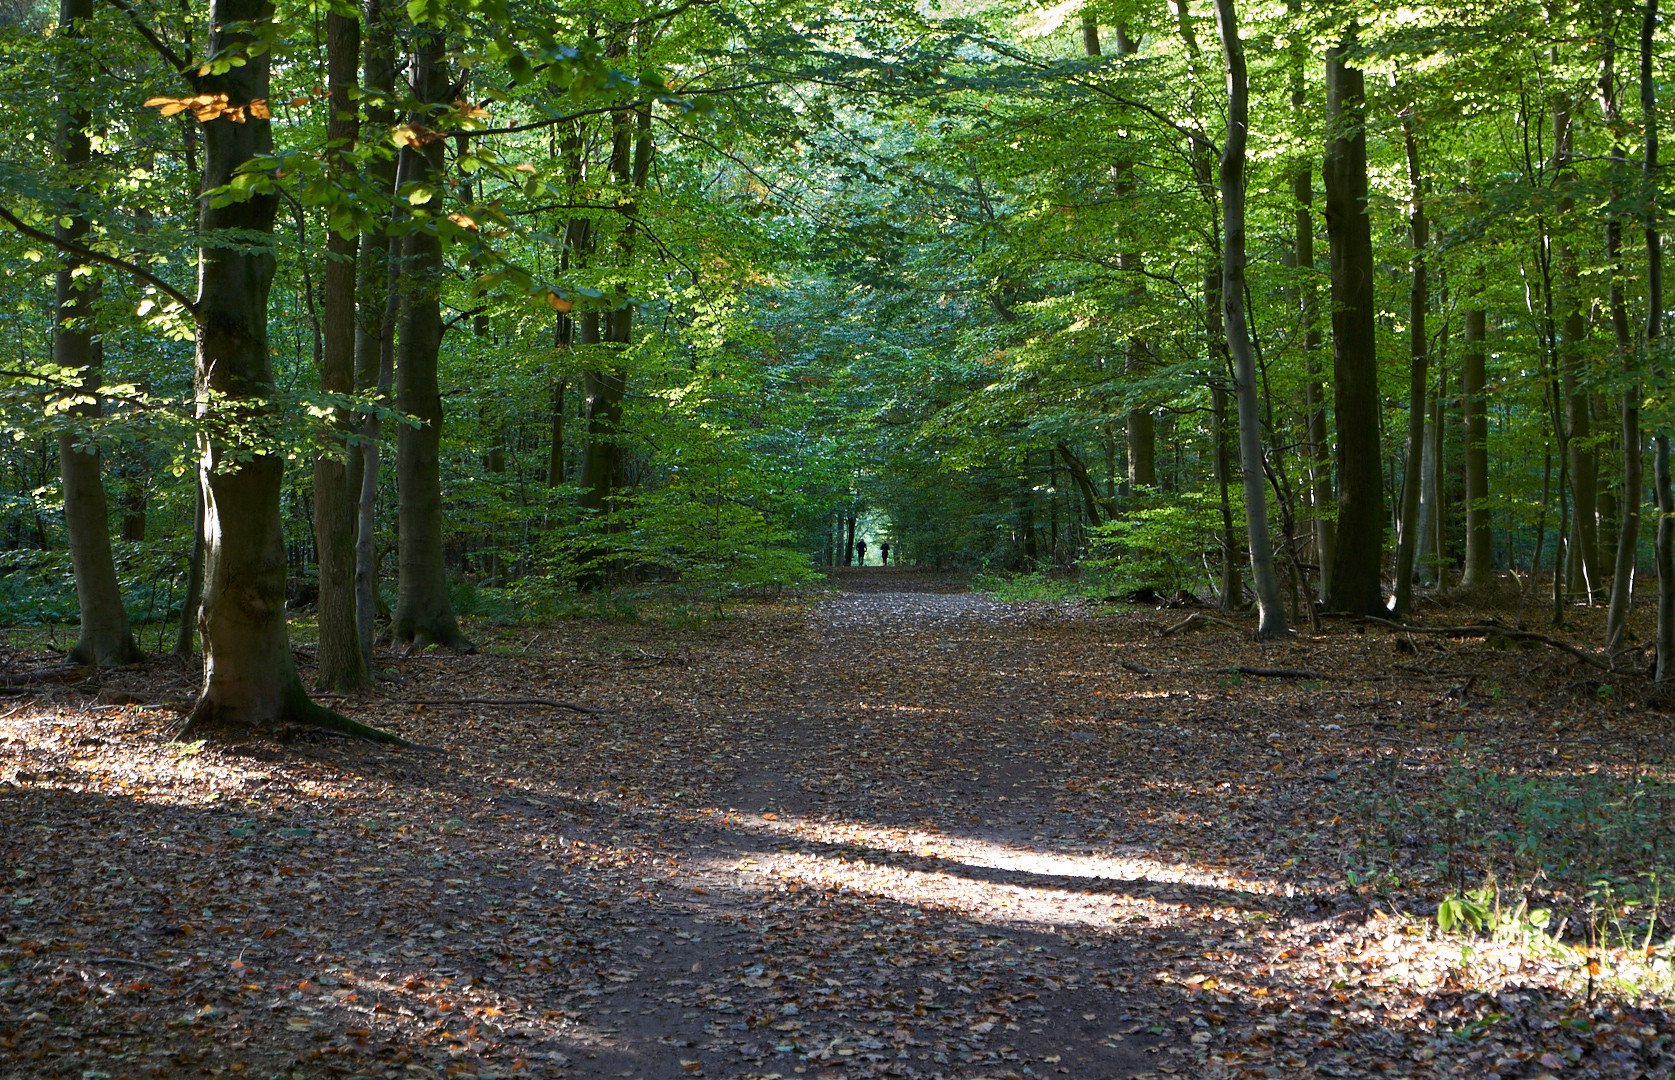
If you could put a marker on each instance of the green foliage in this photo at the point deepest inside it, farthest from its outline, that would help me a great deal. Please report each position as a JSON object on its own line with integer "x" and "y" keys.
{"x": 1165, "y": 543}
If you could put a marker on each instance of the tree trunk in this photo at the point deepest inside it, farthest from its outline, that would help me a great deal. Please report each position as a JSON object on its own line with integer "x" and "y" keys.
{"x": 342, "y": 665}
{"x": 1314, "y": 397}
{"x": 1419, "y": 300}
{"x": 1232, "y": 588}
{"x": 1270, "y": 607}
{"x": 374, "y": 329}
{"x": 250, "y": 682}
{"x": 1479, "y": 568}
{"x": 1628, "y": 527}
{"x": 555, "y": 450}
{"x": 1359, "y": 559}
{"x": 424, "y": 612}
{"x": 188, "y": 627}
{"x": 104, "y": 638}
{"x": 1583, "y": 547}
{"x": 1665, "y": 544}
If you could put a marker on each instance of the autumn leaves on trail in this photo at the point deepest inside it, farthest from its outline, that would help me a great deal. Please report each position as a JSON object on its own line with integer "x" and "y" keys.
{"x": 887, "y": 834}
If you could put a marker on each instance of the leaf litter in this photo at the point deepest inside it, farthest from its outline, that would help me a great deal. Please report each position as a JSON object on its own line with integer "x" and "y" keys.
{"x": 901, "y": 832}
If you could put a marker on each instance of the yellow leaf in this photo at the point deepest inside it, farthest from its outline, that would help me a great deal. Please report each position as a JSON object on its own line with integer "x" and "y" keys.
{"x": 462, "y": 221}
{"x": 558, "y": 303}
{"x": 259, "y": 109}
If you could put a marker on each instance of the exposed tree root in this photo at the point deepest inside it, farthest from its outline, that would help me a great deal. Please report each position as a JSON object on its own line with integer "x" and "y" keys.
{"x": 207, "y": 720}
{"x": 1197, "y": 618}
{"x": 1490, "y": 630}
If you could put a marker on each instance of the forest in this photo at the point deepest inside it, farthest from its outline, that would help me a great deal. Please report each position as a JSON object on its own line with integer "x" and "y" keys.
{"x": 952, "y": 538}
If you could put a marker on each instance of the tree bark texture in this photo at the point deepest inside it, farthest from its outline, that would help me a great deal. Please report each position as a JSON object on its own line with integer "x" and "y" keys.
{"x": 1270, "y": 606}
{"x": 1479, "y": 562}
{"x": 424, "y": 612}
{"x": 104, "y": 638}
{"x": 375, "y": 322}
{"x": 250, "y": 682}
{"x": 1664, "y": 548}
{"x": 342, "y": 667}
{"x": 1314, "y": 397}
{"x": 1359, "y": 559}
{"x": 1583, "y": 550}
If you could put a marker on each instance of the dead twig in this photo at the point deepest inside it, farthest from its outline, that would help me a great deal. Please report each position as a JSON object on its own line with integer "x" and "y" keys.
{"x": 548, "y": 702}
{"x": 1488, "y": 630}
{"x": 1136, "y": 668}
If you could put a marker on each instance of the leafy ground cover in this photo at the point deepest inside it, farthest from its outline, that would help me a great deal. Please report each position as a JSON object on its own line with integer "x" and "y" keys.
{"x": 905, "y": 831}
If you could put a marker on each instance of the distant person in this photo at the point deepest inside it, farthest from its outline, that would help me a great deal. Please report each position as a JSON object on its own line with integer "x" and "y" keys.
{"x": 884, "y": 553}
{"x": 861, "y": 552}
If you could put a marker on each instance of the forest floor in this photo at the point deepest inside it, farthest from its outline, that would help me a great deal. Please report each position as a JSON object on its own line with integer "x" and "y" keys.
{"x": 900, "y": 831}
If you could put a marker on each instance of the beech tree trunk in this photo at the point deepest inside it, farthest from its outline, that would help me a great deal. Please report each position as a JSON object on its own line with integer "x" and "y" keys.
{"x": 104, "y": 638}
{"x": 1419, "y": 300}
{"x": 1664, "y": 549}
{"x": 250, "y": 682}
{"x": 187, "y": 630}
{"x": 378, "y": 302}
{"x": 1628, "y": 526}
{"x": 1358, "y": 562}
{"x": 424, "y": 612}
{"x": 1314, "y": 397}
{"x": 1270, "y": 606}
{"x": 1582, "y": 552}
{"x": 342, "y": 665}
{"x": 1479, "y": 562}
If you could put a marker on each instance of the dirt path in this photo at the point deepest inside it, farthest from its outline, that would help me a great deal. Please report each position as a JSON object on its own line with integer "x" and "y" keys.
{"x": 906, "y": 832}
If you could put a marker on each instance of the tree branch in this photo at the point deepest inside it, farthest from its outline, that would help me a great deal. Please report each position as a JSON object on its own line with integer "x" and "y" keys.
{"x": 92, "y": 255}
{"x": 181, "y": 67}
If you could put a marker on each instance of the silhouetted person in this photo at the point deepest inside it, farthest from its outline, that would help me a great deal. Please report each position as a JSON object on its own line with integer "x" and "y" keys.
{"x": 884, "y": 553}
{"x": 861, "y": 552}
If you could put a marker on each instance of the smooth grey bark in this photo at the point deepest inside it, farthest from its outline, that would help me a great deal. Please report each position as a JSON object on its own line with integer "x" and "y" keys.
{"x": 1319, "y": 447}
{"x": 104, "y": 638}
{"x": 250, "y": 681}
{"x": 342, "y": 666}
{"x": 377, "y": 306}
{"x": 1628, "y": 525}
{"x": 1270, "y": 607}
{"x": 1419, "y": 302}
{"x": 424, "y": 612}
{"x": 1359, "y": 558}
{"x": 1428, "y": 531}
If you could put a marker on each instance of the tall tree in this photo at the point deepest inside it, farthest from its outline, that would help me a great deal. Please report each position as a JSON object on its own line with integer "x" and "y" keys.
{"x": 250, "y": 681}
{"x": 424, "y": 612}
{"x": 341, "y": 664}
{"x": 1419, "y": 302}
{"x": 1628, "y": 529}
{"x": 1664, "y": 546}
{"x": 1270, "y": 607}
{"x": 104, "y": 638}
{"x": 1359, "y": 560}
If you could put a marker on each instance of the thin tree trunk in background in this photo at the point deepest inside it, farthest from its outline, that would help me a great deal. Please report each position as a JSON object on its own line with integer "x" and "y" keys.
{"x": 1319, "y": 447}
{"x": 1232, "y": 586}
{"x": 1628, "y": 526}
{"x": 374, "y": 325}
{"x": 104, "y": 638}
{"x": 1582, "y": 550}
{"x": 1359, "y": 559}
{"x": 424, "y": 611}
{"x": 342, "y": 665}
{"x": 1664, "y": 549}
{"x": 849, "y": 544}
{"x": 555, "y": 451}
{"x": 1418, "y": 305}
{"x": 1271, "y": 620}
{"x": 188, "y": 627}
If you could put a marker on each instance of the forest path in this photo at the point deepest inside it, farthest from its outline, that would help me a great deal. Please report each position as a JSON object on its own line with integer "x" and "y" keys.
{"x": 901, "y": 831}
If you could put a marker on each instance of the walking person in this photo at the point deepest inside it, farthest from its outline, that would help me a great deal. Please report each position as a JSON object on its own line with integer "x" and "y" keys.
{"x": 861, "y": 552}
{"x": 884, "y": 553}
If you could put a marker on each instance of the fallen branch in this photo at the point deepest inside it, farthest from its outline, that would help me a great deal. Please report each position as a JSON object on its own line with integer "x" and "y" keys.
{"x": 549, "y": 703}
{"x": 1489, "y": 630}
{"x": 1198, "y": 618}
{"x": 1274, "y": 672}
{"x": 57, "y": 673}
{"x": 1136, "y": 668}
{"x": 131, "y": 963}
